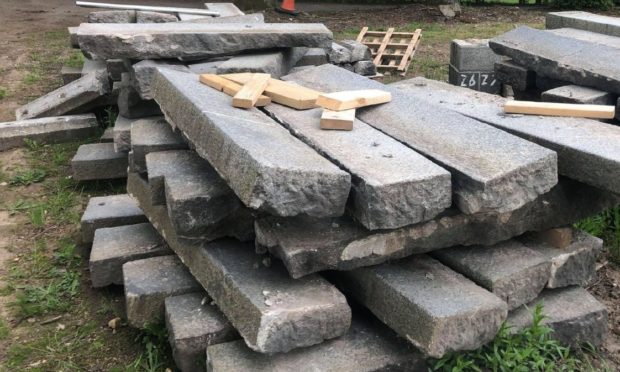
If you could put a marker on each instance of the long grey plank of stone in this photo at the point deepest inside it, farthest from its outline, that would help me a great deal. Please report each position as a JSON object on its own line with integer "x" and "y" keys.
{"x": 143, "y": 73}
{"x": 393, "y": 185}
{"x": 109, "y": 211}
{"x": 573, "y": 265}
{"x": 155, "y": 17}
{"x": 147, "y": 284}
{"x": 575, "y": 316}
{"x": 276, "y": 63}
{"x": 240, "y": 19}
{"x": 194, "y": 40}
{"x": 285, "y": 180}
{"x": 587, "y": 150}
{"x": 55, "y": 129}
{"x": 200, "y": 204}
{"x": 152, "y": 135}
{"x": 98, "y": 161}
{"x": 67, "y": 98}
{"x": 112, "y": 16}
{"x": 561, "y": 58}
{"x": 90, "y": 66}
{"x": 193, "y": 324}
{"x": 311, "y": 245}
{"x": 491, "y": 169}
{"x": 114, "y": 246}
{"x": 585, "y": 21}
{"x": 510, "y": 270}
{"x": 367, "y": 346}
{"x": 436, "y": 309}
{"x": 224, "y": 9}
{"x": 611, "y": 41}
{"x": 271, "y": 311}
{"x": 578, "y": 94}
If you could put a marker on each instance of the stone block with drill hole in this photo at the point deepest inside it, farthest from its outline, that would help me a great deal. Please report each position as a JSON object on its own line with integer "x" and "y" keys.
{"x": 114, "y": 246}
{"x": 518, "y": 77}
{"x": 112, "y": 16}
{"x": 578, "y": 94}
{"x": 193, "y": 324}
{"x": 68, "y": 98}
{"x": 276, "y": 63}
{"x": 287, "y": 180}
{"x": 98, "y": 161}
{"x": 367, "y": 346}
{"x": 200, "y": 204}
{"x": 313, "y": 57}
{"x": 584, "y": 21}
{"x": 574, "y": 264}
{"x": 143, "y": 73}
{"x": 154, "y": 17}
{"x": 70, "y": 74}
{"x": 575, "y": 316}
{"x": 152, "y": 135}
{"x": 510, "y": 270}
{"x": 55, "y": 129}
{"x": 472, "y": 55}
{"x": 147, "y": 284}
{"x": 109, "y": 211}
{"x": 359, "y": 51}
{"x": 436, "y": 309}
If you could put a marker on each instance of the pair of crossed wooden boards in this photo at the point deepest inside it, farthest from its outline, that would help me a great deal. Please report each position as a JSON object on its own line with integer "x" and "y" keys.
{"x": 256, "y": 90}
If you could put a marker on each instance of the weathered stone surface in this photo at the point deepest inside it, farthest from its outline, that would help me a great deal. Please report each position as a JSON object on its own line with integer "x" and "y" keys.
{"x": 559, "y": 237}
{"x": 225, "y": 9}
{"x": 130, "y": 103}
{"x": 338, "y": 54}
{"x": 275, "y": 63}
{"x": 393, "y": 186}
{"x": 308, "y": 246}
{"x": 116, "y": 67}
{"x": 514, "y": 75}
{"x": 109, "y": 211}
{"x": 70, "y": 74}
{"x": 472, "y": 55}
{"x": 151, "y": 135}
{"x": 286, "y": 180}
{"x": 112, "y": 16}
{"x": 433, "y": 307}
{"x": 544, "y": 83}
{"x": 510, "y": 270}
{"x": 122, "y": 134}
{"x": 365, "y": 68}
{"x": 574, "y": 315}
{"x": 48, "y": 130}
{"x": 578, "y": 94}
{"x": 200, "y": 204}
{"x": 587, "y": 150}
{"x": 573, "y": 265}
{"x": 491, "y": 169}
{"x": 271, "y": 311}
{"x": 194, "y": 40}
{"x": 147, "y": 284}
{"x": 612, "y": 41}
{"x": 367, "y": 346}
{"x": 244, "y": 19}
{"x": 209, "y": 67}
{"x": 144, "y": 72}
{"x": 359, "y": 51}
{"x": 67, "y": 98}
{"x": 114, "y": 246}
{"x": 561, "y": 58}
{"x": 98, "y": 161}
{"x": 90, "y": 66}
{"x": 193, "y": 324}
{"x": 313, "y": 57}
{"x": 618, "y": 109}
{"x": 107, "y": 136}
{"x": 584, "y": 21}
{"x": 155, "y": 17}
{"x": 73, "y": 40}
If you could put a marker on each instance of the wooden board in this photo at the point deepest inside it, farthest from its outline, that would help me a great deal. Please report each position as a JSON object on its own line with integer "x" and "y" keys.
{"x": 392, "y": 51}
{"x": 337, "y": 120}
{"x": 229, "y": 87}
{"x": 560, "y": 109}
{"x": 350, "y": 99}
{"x": 247, "y": 96}
{"x": 282, "y": 92}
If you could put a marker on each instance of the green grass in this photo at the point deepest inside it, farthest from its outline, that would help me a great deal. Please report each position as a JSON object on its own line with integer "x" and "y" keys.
{"x": 28, "y": 177}
{"x": 156, "y": 354}
{"x": 3, "y": 92}
{"x": 4, "y": 330}
{"x": 605, "y": 225}
{"x": 32, "y": 77}
{"x": 75, "y": 59}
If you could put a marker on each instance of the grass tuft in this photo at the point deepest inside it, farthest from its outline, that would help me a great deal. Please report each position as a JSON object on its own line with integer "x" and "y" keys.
{"x": 28, "y": 177}
{"x": 605, "y": 225}
{"x": 3, "y": 92}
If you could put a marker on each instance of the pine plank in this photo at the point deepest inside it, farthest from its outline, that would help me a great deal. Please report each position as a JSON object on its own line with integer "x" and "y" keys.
{"x": 247, "y": 96}
{"x": 229, "y": 87}
{"x": 411, "y": 48}
{"x": 349, "y": 99}
{"x": 337, "y": 120}
{"x": 386, "y": 40}
{"x": 361, "y": 35}
{"x": 560, "y": 109}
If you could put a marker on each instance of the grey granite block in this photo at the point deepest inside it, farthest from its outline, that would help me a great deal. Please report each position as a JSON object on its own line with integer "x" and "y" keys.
{"x": 313, "y": 57}
{"x": 73, "y": 39}
{"x": 70, "y": 74}
{"x": 48, "y": 130}
{"x": 359, "y": 51}
{"x": 109, "y": 211}
{"x": 393, "y": 186}
{"x": 492, "y": 171}
{"x": 578, "y": 94}
{"x": 286, "y": 180}
{"x": 130, "y": 103}
{"x": 518, "y": 77}
{"x": 143, "y": 73}
{"x": 472, "y": 55}
{"x": 152, "y": 135}
{"x": 209, "y": 67}
{"x": 107, "y": 136}
{"x": 122, "y": 133}
{"x": 116, "y": 67}
{"x": 365, "y": 68}
{"x": 276, "y": 63}
{"x": 155, "y": 17}
{"x": 98, "y": 161}
{"x": 594, "y": 37}
{"x": 338, "y": 54}
{"x": 93, "y": 66}
{"x": 112, "y": 16}
{"x": 225, "y": 9}
{"x": 240, "y": 19}
{"x": 585, "y": 21}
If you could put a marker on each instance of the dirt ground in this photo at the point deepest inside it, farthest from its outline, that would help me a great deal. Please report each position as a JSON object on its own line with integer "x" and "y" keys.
{"x": 33, "y": 48}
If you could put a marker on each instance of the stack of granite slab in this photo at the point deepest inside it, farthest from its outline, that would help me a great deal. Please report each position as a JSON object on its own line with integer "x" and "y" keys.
{"x": 557, "y": 64}
{"x": 271, "y": 245}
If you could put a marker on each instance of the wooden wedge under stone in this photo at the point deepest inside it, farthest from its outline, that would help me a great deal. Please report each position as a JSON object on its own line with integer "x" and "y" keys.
{"x": 229, "y": 87}
{"x": 339, "y": 120}
{"x": 560, "y": 109}
{"x": 284, "y": 93}
{"x": 345, "y": 100}
{"x": 247, "y": 96}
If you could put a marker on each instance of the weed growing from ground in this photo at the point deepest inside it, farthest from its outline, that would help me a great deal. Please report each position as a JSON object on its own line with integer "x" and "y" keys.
{"x": 605, "y": 225}
{"x": 28, "y": 177}
{"x": 156, "y": 350}
{"x": 3, "y": 92}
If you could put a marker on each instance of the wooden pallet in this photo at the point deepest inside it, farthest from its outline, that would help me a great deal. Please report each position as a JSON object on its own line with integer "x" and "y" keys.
{"x": 392, "y": 51}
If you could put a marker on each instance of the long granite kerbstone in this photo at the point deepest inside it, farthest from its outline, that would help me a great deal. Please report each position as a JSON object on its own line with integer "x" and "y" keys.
{"x": 510, "y": 270}
{"x": 122, "y": 133}
{"x": 109, "y": 211}
{"x": 393, "y": 186}
{"x": 244, "y": 19}
{"x": 286, "y": 179}
{"x": 275, "y": 63}
{"x": 55, "y": 129}
{"x": 433, "y": 307}
{"x": 152, "y": 135}
{"x": 271, "y": 311}
{"x": 194, "y": 40}
{"x": 585, "y": 21}
{"x": 578, "y": 94}
{"x": 611, "y": 41}
{"x": 200, "y": 204}
{"x": 308, "y": 246}
{"x": 67, "y": 98}
{"x": 587, "y": 150}
{"x": 561, "y": 58}
{"x": 491, "y": 169}
{"x": 143, "y": 73}
{"x": 98, "y": 161}
{"x": 366, "y": 347}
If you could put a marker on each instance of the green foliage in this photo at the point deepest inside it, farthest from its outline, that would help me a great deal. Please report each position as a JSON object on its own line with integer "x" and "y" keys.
{"x": 531, "y": 349}
{"x": 32, "y": 77}
{"x": 583, "y": 4}
{"x": 76, "y": 59}
{"x": 109, "y": 117}
{"x": 3, "y": 92}
{"x": 28, "y": 177}
{"x": 605, "y": 225}
{"x": 156, "y": 350}
{"x": 4, "y": 330}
